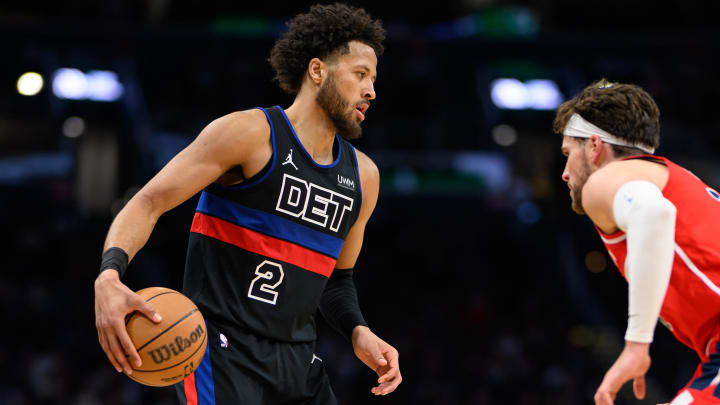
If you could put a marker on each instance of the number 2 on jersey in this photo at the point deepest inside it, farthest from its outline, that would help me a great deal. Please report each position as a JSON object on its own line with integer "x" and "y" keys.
{"x": 269, "y": 277}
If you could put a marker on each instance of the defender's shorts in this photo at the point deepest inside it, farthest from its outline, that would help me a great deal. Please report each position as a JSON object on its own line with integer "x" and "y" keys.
{"x": 703, "y": 389}
{"x": 243, "y": 368}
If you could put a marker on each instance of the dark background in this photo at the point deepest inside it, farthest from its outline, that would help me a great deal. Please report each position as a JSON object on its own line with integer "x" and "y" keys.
{"x": 474, "y": 267}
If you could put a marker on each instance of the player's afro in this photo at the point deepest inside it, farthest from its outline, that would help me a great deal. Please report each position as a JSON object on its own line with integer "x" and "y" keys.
{"x": 319, "y": 33}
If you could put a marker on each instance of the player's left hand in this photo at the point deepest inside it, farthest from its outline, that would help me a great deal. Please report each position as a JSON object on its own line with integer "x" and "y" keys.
{"x": 633, "y": 363}
{"x": 379, "y": 356}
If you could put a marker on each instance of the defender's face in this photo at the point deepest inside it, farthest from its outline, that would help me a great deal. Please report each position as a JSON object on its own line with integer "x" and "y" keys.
{"x": 577, "y": 170}
{"x": 346, "y": 92}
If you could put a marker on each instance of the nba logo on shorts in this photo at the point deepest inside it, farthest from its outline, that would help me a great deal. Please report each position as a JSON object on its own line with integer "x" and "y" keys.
{"x": 223, "y": 341}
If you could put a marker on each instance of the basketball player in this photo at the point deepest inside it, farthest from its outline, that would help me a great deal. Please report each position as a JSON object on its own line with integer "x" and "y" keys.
{"x": 277, "y": 230}
{"x": 658, "y": 222}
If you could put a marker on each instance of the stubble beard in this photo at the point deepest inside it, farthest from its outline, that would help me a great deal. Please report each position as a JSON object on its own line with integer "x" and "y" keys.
{"x": 578, "y": 185}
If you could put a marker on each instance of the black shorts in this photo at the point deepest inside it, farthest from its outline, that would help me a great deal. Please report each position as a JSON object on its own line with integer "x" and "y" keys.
{"x": 243, "y": 368}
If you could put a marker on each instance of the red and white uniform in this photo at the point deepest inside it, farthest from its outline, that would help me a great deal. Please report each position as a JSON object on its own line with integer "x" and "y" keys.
{"x": 691, "y": 308}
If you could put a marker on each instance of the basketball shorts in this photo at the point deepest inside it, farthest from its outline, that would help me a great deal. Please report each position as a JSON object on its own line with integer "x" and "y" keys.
{"x": 243, "y": 368}
{"x": 704, "y": 387}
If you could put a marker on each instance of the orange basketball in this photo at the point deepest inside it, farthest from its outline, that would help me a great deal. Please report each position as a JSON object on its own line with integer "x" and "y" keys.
{"x": 172, "y": 349}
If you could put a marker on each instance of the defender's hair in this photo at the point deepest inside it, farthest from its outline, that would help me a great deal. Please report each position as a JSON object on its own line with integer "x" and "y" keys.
{"x": 624, "y": 110}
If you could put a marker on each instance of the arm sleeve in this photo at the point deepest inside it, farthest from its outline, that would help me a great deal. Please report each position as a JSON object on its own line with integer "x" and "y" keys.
{"x": 648, "y": 219}
{"x": 339, "y": 303}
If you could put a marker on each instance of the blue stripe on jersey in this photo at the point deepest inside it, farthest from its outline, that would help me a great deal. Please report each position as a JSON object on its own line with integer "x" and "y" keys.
{"x": 270, "y": 224}
{"x": 204, "y": 379}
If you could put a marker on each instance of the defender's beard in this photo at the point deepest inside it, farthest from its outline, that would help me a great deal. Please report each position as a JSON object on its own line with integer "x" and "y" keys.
{"x": 577, "y": 186}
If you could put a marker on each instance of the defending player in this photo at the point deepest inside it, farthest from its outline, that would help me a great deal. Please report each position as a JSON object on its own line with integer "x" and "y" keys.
{"x": 277, "y": 230}
{"x": 658, "y": 222}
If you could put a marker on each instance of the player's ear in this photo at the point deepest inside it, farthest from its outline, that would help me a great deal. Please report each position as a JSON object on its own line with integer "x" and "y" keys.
{"x": 597, "y": 149}
{"x": 317, "y": 70}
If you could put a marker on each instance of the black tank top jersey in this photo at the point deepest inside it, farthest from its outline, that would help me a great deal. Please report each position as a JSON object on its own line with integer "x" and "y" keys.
{"x": 261, "y": 252}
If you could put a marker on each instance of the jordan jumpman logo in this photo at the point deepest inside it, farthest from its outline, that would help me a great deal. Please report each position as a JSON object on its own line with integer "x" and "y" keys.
{"x": 288, "y": 160}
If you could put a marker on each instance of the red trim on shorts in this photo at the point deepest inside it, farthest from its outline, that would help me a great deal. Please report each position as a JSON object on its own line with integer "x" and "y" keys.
{"x": 262, "y": 244}
{"x": 190, "y": 390}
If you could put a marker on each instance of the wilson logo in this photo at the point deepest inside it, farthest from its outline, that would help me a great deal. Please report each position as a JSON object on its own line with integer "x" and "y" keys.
{"x": 345, "y": 182}
{"x": 179, "y": 345}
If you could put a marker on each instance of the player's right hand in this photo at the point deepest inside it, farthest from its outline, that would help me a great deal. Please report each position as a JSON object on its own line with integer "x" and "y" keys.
{"x": 633, "y": 363}
{"x": 113, "y": 301}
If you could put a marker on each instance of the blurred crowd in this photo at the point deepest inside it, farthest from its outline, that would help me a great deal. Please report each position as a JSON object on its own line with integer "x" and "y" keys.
{"x": 473, "y": 265}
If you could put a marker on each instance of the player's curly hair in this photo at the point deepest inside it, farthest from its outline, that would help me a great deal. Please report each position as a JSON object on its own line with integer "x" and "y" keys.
{"x": 319, "y": 33}
{"x": 625, "y": 110}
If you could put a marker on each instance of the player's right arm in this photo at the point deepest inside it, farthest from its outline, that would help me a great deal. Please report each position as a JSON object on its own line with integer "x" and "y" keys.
{"x": 237, "y": 139}
{"x": 627, "y": 196}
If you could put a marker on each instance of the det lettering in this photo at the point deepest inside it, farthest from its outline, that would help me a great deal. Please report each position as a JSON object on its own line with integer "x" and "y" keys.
{"x": 168, "y": 351}
{"x": 313, "y": 203}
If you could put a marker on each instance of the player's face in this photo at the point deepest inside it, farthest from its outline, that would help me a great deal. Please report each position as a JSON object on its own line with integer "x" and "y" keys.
{"x": 346, "y": 92}
{"x": 577, "y": 170}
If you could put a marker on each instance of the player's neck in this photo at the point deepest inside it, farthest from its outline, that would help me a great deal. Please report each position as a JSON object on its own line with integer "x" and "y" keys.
{"x": 313, "y": 128}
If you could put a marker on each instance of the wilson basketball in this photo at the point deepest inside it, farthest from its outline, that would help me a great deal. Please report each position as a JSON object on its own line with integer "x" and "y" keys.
{"x": 172, "y": 349}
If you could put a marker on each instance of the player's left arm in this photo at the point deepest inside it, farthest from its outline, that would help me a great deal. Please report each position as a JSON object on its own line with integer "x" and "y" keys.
{"x": 616, "y": 199}
{"x": 339, "y": 303}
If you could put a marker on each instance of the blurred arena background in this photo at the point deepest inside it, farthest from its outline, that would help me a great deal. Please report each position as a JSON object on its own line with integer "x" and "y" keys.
{"x": 474, "y": 266}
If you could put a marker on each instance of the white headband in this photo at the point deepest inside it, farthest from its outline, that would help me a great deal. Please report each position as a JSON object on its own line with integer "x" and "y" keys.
{"x": 579, "y": 128}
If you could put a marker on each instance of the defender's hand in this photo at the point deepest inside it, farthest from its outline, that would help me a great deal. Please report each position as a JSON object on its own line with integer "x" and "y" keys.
{"x": 113, "y": 301}
{"x": 633, "y": 363}
{"x": 379, "y": 356}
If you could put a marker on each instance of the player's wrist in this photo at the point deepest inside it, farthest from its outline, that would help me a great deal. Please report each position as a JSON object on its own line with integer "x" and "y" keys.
{"x": 107, "y": 275}
{"x": 116, "y": 259}
{"x": 359, "y": 330}
{"x": 637, "y": 346}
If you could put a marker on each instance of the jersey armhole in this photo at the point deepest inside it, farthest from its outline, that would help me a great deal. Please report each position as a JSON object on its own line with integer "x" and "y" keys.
{"x": 357, "y": 172}
{"x": 258, "y": 177}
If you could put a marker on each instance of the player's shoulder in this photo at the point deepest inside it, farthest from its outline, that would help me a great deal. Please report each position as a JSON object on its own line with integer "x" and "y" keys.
{"x": 366, "y": 167}
{"x": 247, "y": 122}
{"x": 614, "y": 174}
{"x": 599, "y": 190}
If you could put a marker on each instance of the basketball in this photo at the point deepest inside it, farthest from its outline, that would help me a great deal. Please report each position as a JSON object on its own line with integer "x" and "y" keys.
{"x": 172, "y": 349}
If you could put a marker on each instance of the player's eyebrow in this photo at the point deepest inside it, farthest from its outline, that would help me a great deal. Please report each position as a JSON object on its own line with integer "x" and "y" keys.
{"x": 564, "y": 150}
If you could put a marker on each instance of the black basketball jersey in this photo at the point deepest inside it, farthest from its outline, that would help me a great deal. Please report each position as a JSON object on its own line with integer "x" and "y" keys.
{"x": 261, "y": 252}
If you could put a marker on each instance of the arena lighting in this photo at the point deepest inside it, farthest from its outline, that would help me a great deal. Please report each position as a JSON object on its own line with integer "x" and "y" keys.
{"x": 95, "y": 85}
{"x": 537, "y": 94}
{"x": 73, "y": 127}
{"x": 504, "y": 135}
{"x": 103, "y": 85}
{"x": 29, "y": 84}
{"x": 544, "y": 94}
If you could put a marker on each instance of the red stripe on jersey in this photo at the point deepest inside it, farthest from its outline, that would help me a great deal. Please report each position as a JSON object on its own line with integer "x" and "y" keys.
{"x": 190, "y": 390}
{"x": 262, "y": 244}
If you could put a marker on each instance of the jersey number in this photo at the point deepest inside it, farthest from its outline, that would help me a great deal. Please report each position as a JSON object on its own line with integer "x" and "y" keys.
{"x": 269, "y": 277}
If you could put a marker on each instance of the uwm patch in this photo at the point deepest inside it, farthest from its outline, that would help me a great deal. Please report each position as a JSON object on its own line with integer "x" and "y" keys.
{"x": 312, "y": 203}
{"x": 346, "y": 182}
